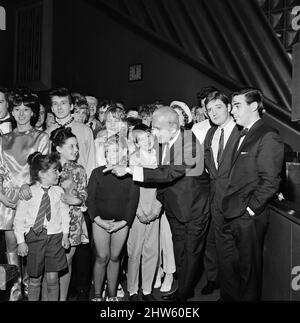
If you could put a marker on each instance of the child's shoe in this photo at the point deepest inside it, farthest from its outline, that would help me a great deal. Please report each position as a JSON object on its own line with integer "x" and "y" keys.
{"x": 167, "y": 283}
{"x": 97, "y": 298}
{"x": 120, "y": 291}
{"x": 113, "y": 299}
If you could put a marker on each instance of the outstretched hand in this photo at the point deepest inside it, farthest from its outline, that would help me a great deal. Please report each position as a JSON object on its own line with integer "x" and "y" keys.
{"x": 117, "y": 170}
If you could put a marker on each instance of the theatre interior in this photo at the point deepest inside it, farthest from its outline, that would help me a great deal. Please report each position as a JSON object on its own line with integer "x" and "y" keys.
{"x": 179, "y": 47}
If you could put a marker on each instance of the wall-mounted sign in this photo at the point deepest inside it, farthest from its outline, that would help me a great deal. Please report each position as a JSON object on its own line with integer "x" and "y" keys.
{"x": 135, "y": 72}
{"x": 2, "y": 18}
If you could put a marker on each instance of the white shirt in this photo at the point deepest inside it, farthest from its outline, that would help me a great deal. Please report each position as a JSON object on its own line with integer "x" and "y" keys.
{"x": 170, "y": 143}
{"x": 27, "y": 212}
{"x": 228, "y": 127}
{"x": 200, "y": 130}
{"x": 6, "y": 126}
{"x": 248, "y": 127}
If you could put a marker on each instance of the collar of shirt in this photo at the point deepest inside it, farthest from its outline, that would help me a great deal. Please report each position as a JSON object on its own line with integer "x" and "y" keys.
{"x": 5, "y": 118}
{"x": 172, "y": 141}
{"x": 252, "y": 124}
{"x": 40, "y": 186}
{"x": 248, "y": 127}
{"x": 69, "y": 120}
{"x": 227, "y": 130}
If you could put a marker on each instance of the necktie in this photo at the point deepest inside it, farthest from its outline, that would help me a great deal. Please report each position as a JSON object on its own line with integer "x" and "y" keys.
{"x": 244, "y": 132}
{"x": 6, "y": 120}
{"x": 166, "y": 156}
{"x": 221, "y": 147}
{"x": 44, "y": 211}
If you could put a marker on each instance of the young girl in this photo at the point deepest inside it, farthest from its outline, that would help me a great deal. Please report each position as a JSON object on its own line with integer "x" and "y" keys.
{"x": 41, "y": 227}
{"x": 73, "y": 180}
{"x": 112, "y": 203}
{"x": 114, "y": 119}
{"x": 143, "y": 239}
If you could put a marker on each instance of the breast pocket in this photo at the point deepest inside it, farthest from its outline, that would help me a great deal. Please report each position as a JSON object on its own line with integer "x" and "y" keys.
{"x": 245, "y": 164}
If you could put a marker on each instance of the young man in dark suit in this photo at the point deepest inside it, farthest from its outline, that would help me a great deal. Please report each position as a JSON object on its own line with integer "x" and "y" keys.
{"x": 253, "y": 181}
{"x": 183, "y": 191}
{"x": 218, "y": 150}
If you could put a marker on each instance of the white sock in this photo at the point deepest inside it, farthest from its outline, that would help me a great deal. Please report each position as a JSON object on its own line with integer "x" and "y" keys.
{"x": 130, "y": 294}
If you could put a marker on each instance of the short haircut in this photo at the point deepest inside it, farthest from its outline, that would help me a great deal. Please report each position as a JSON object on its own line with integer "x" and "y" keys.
{"x": 105, "y": 103}
{"x": 93, "y": 97}
{"x": 203, "y": 93}
{"x": 29, "y": 99}
{"x": 216, "y": 95}
{"x": 251, "y": 95}
{"x": 132, "y": 122}
{"x": 139, "y": 130}
{"x": 6, "y": 92}
{"x": 116, "y": 112}
{"x": 39, "y": 162}
{"x": 147, "y": 110}
{"x": 59, "y": 136}
{"x": 61, "y": 92}
{"x": 79, "y": 100}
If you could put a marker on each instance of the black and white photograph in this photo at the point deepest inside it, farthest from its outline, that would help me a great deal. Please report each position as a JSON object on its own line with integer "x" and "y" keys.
{"x": 149, "y": 156}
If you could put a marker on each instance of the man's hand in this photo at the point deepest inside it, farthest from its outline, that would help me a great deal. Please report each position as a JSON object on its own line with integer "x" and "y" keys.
{"x": 25, "y": 192}
{"x": 65, "y": 241}
{"x": 7, "y": 202}
{"x": 119, "y": 170}
{"x": 22, "y": 249}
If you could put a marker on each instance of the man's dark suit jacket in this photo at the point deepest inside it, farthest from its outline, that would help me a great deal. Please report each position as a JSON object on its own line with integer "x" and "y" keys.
{"x": 255, "y": 172}
{"x": 219, "y": 176}
{"x": 182, "y": 186}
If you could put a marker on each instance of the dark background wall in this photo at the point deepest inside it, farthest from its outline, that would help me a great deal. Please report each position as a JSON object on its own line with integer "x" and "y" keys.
{"x": 6, "y": 45}
{"x": 92, "y": 52}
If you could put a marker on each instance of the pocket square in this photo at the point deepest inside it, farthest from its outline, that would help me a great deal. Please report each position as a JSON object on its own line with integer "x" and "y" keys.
{"x": 244, "y": 153}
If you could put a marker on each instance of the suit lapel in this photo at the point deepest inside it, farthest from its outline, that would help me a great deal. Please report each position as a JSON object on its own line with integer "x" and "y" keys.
{"x": 210, "y": 156}
{"x": 248, "y": 137}
{"x": 234, "y": 136}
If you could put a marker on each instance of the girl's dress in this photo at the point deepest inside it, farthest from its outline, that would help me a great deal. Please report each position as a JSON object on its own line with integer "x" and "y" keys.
{"x": 15, "y": 147}
{"x": 73, "y": 180}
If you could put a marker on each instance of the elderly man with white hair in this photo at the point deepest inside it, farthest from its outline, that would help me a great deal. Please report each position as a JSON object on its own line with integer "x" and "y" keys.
{"x": 183, "y": 191}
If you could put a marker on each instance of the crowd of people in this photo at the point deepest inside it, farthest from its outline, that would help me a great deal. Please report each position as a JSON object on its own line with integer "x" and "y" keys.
{"x": 92, "y": 192}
